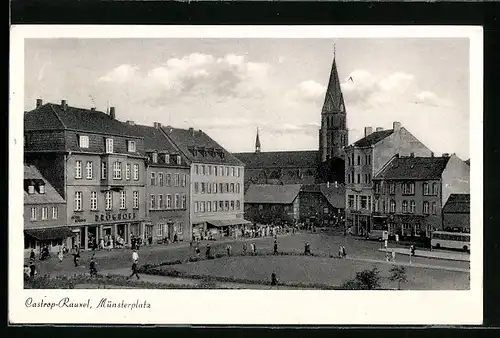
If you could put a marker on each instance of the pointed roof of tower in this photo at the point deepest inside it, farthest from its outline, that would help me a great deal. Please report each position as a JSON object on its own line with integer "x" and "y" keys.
{"x": 257, "y": 140}
{"x": 334, "y": 100}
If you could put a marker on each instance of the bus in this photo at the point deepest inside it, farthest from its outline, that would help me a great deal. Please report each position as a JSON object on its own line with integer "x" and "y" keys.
{"x": 451, "y": 240}
{"x": 379, "y": 235}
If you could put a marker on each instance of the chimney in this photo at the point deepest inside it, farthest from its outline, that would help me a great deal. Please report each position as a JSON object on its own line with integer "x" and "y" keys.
{"x": 396, "y": 126}
{"x": 39, "y": 102}
{"x": 201, "y": 132}
{"x": 130, "y": 123}
{"x": 432, "y": 154}
{"x": 191, "y": 131}
{"x": 379, "y": 129}
{"x": 92, "y": 109}
{"x": 368, "y": 131}
{"x": 412, "y": 154}
{"x": 64, "y": 105}
{"x": 112, "y": 113}
{"x": 446, "y": 155}
{"x": 157, "y": 125}
{"x": 397, "y": 155}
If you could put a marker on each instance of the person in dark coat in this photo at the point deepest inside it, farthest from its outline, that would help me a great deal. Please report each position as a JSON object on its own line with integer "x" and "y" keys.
{"x": 274, "y": 279}
{"x": 275, "y": 247}
{"x": 344, "y": 253}
{"x": 32, "y": 269}
{"x": 92, "y": 266}
{"x": 207, "y": 253}
{"x": 32, "y": 255}
{"x": 307, "y": 249}
{"x": 76, "y": 255}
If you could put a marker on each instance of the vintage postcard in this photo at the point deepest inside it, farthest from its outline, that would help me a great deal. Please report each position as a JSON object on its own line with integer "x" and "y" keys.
{"x": 246, "y": 175}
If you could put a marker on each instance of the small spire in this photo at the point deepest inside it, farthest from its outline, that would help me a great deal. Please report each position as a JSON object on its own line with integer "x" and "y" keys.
{"x": 334, "y": 51}
{"x": 257, "y": 142}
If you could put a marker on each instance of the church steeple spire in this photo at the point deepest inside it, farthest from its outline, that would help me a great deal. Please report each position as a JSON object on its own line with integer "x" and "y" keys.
{"x": 257, "y": 142}
{"x": 333, "y": 133}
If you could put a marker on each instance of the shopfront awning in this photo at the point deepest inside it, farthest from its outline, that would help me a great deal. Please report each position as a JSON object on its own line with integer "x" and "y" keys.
{"x": 228, "y": 222}
{"x": 46, "y": 234}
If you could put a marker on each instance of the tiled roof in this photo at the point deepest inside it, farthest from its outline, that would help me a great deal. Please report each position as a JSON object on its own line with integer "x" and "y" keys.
{"x": 334, "y": 195}
{"x": 33, "y": 176}
{"x": 272, "y": 194}
{"x": 52, "y": 116}
{"x": 457, "y": 203}
{"x": 414, "y": 168}
{"x": 280, "y": 159}
{"x": 199, "y": 147}
{"x": 373, "y": 138}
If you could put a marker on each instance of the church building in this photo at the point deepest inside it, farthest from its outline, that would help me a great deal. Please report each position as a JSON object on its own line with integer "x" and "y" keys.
{"x": 311, "y": 166}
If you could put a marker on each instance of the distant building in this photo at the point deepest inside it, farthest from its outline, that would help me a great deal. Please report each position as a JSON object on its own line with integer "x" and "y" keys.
{"x": 456, "y": 213}
{"x": 364, "y": 158}
{"x": 322, "y": 204}
{"x": 216, "y": 190}
{"x": 44, "y": 213}
{"x": 278, "y": 204}
{"x": 168, "y": 185}
{"x": 311, "y": 166}
{"x": 96, "y": 163}
{"x": 410, "y": 192}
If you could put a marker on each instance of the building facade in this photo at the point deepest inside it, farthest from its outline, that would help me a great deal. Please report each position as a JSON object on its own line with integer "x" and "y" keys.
{"x": 216, "y": 186}
{"x": 97, "y": 163}
{"x": 410, "y": 193}
{"x": 44, "y": 213}
{"x": 167, "y": 186}
{"x": 364, "y": 159}
{"x": 273, "y": 204}
{"x": 322, "y": 205}
{"x": 456, "y": 213}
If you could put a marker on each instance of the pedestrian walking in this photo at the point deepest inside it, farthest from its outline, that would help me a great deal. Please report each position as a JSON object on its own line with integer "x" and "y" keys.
{"x": 207, "y": 252}
{"x": 275, "y": 252}
{"x": 274, "y": 279}
{"x": 341, "y": 253}
{"x": 32, "y": 269}
{"x": 76, "y": 255}
{"x": 135, "y": 260}
{"x": 101, "y": 244}
{"x": 92, "y": 266}
{"x": 229, "y": 249}
{"x": 245, "y": 248}
{"x": 60, "y": 254}
{"x": 307, "y": 249}
{"x": 254, "y": 249}
{"x": 386, "y": 256}
{"x": 197, "y": 250}
{"x": 344, "y": 253}
{"x": 393, "y": 255}
{"x": 32, "y": 255}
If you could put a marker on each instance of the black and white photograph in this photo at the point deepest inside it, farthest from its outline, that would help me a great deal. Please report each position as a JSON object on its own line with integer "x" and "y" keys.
{"x": 287, "y": 165}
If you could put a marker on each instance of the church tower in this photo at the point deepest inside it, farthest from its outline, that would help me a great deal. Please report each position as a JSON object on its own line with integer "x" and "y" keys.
{"x": 257, "y": 142}
{"x": 333, "y": 135}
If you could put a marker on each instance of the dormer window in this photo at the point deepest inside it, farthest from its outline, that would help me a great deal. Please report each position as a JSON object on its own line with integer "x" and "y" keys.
{"x": 131, "y": 146}
{"x": 178, "y": 159}
{"x": 154, "y": 158}
{"x": 83, "y": 141}
{"x": 109, "y": 145}
{"x": 167, "y": 158}
{"x": 31, "y": 189}
{"x": 41, "y": 188}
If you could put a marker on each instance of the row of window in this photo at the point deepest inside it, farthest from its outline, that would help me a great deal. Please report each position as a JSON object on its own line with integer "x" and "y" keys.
{"x": 108, "y": 198}
{"x": 213, "y": 170}
{"x": 214, "y": 188}
{"x": 174, "y": 159}
{"x": 408, "y": 188}
{"x": 214, "y": 206}
{"x": 166, "y": 179}
{"x": 45, "y": 213}
{"x": 117, "y": 170}
{"x": 178, "y": 228}
{"x": 356, "y": 202}
{"x": 83, "y": 142}
{"x": 176, "y": 201}
{"x": 367, "y": 160}
{"x": 351, "y": 178}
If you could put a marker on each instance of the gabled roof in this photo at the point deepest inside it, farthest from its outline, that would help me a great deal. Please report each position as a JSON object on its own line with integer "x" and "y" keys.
{"x": 52, "y": 116}
{"x": 414, "y": 168}
{"x": 373, "y": 138}
{"x": 280, "y": 159}
{"x": 334, "y": 100}
{"x": 335, "y": 195}
{"x": 33, "y": 176}
{"x": 272, "y": 194}
{"x": 198, "y": 147}
{"x": 457, "y": 203}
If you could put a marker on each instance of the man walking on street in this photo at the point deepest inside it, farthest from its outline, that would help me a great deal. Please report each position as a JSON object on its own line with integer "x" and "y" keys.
{"x": 275, "y": 247}
{"x": 135, "y": 259}
{"x": 92, "y": 265}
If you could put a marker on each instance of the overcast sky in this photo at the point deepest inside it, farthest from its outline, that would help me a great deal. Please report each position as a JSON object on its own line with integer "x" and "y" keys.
{"x": 230, "y": 87}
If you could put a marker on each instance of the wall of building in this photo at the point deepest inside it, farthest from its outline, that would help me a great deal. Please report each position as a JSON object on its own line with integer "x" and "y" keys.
{"x": 97, "y": 142}
{"x": 456, "y": 178}
{"x": 315, "y": 208}
{"x": 456, "y": 220}
{"x": 52, "y": 168}
{"x": 270, "y": 213}
{"x": 197, "y": 197}
{"x": 49, "y": 222}
{"x": 45, "y": 139}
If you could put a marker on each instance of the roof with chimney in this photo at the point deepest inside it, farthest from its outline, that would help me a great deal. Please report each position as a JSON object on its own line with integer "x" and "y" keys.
{"x": 198, "y": 147}
{"x": 280, "y": 159}
{"x": 51, "y": 116}
{"x": 373, "y": 138}
{"x": 272, "y": 194}
{"x": 33, "y": 177}
{"x": 414, "y": 168}
{"x": 457, "y": 203}
{"x": 334, "y": 100}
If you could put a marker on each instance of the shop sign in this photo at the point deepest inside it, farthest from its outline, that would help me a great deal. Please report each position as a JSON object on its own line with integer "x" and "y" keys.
{"x": 78, "y": 219}
{"x": 115, "y": 217}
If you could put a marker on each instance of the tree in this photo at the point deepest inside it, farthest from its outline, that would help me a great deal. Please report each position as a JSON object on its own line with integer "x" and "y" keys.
{"x": 364, "y": 280}
{"x": 398, "y": 274}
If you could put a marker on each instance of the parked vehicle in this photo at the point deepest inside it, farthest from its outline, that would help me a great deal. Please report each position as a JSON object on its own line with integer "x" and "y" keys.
{"x": 450, "y": 240}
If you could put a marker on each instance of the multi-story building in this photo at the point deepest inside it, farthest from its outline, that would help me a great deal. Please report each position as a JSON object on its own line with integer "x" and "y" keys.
{"x": 410, "y": 193}
{"x": 456, "y": 213}
{"x": 216, "y": 187}
{"x": 322, "y": 204}
{"x": 273, "y": 204}
{"x": 168, "y": 182}
{"x": 96, "y": 163}
{"x": 364, "y": 159}
{"x": 44, "y": 213}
